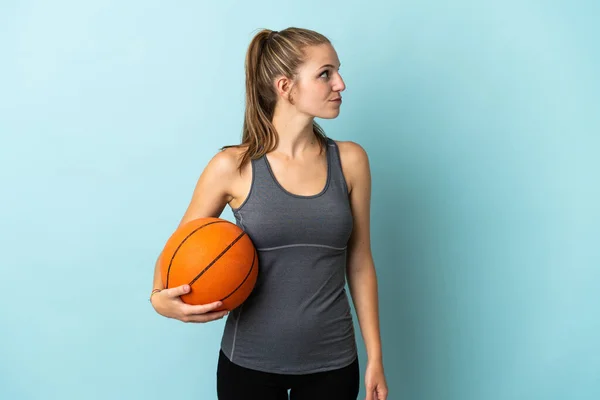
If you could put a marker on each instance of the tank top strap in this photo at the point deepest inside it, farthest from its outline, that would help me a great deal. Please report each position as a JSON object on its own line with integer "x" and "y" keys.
{"x": 260, "y": 169}
{"x": 262, "y": 177}
{"x": 335, "y": 162}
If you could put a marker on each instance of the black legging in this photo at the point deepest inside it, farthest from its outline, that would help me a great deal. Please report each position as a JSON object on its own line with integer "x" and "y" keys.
{"x": 235, "y": 382}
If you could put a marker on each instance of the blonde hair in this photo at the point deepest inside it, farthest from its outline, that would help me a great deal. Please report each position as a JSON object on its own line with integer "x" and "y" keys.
{"x": 271, "y": 54}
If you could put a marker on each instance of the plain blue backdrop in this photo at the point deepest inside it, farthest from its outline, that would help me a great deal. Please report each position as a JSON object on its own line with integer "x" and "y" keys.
{"x": 482, "y": 123}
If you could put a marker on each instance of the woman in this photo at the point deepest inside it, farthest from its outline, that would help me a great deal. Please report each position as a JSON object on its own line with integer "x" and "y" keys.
{"x": 304, "y": 201}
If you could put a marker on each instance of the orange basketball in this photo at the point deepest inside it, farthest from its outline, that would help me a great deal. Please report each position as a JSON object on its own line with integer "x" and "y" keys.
{"x": 215, "y": 257}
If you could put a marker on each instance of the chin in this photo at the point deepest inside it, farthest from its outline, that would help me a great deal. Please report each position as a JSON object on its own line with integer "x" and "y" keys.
{"x": 329, "y": 114}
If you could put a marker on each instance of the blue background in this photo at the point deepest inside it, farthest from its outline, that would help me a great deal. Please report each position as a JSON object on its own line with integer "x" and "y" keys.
{"x": 482, "y": 123}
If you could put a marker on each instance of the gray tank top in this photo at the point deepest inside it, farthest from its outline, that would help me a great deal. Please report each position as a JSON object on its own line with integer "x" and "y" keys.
{"x": 297, "y": 320}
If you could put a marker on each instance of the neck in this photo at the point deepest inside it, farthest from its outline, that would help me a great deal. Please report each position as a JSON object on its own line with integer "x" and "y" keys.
{"x": 295, "y": 134}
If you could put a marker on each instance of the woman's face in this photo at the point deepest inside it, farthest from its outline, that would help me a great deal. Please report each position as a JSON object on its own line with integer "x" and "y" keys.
{"x": 318, "y": 83}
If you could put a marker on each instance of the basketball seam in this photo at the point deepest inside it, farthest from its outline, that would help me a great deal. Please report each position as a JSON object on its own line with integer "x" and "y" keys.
{"x": 217, "y": 258}
{"x": 245, "y": 278}
{"x": 181, "y": 244}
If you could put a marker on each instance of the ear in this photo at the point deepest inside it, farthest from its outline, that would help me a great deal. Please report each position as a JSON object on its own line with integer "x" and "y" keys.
{"x": 283, "y": 86}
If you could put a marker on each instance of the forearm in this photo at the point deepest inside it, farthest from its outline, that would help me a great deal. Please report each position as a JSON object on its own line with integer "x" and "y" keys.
{"x": 157, "y": 282}
{"x": 362, "y": 281}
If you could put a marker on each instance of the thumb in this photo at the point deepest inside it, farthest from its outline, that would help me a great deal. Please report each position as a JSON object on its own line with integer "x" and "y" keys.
{"x": 178, "y": 290}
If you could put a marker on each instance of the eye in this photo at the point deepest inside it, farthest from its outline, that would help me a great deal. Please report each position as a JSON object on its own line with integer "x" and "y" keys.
{"x": 325, "y": 72}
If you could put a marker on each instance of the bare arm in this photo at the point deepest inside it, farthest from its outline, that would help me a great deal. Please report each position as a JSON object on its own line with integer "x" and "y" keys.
{"x": 360, "y": 270}
{"x": 209, "y": 198}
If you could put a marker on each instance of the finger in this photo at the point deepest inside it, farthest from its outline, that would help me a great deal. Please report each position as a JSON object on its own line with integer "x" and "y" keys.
{"x": 201, "y": 308}
{"x": 205, "y": 317}
{"x": 177, "y": 291}
{"x": 369, "y": 394}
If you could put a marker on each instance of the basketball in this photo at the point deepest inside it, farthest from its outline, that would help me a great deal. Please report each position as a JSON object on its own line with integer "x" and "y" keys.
{"x": 215, "y": 257}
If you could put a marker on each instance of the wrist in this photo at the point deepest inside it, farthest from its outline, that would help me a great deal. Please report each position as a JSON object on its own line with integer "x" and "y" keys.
{"x": 376, "y": 358}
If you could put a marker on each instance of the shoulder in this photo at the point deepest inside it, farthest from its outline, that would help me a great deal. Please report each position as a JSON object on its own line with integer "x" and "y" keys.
{"x": 226, "y": 161}
{"x": 355, "y": 162}
{"x": 222, "y": 173}
{"x": 352, "y": 151}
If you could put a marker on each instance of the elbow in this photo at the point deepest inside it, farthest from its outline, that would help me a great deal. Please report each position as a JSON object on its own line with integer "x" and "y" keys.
{"x": 359, "y": 263}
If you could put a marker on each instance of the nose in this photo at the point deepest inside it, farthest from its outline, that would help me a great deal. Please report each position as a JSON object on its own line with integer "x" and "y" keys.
{"x": 339, "y": 85}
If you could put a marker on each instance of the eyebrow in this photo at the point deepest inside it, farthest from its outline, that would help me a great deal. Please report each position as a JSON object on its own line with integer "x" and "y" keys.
{"x": 329, "y": 65}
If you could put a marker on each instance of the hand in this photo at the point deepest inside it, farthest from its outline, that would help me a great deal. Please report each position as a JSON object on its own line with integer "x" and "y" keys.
{"x": 375, "y": 385}
{"x": 168, "y": 303}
